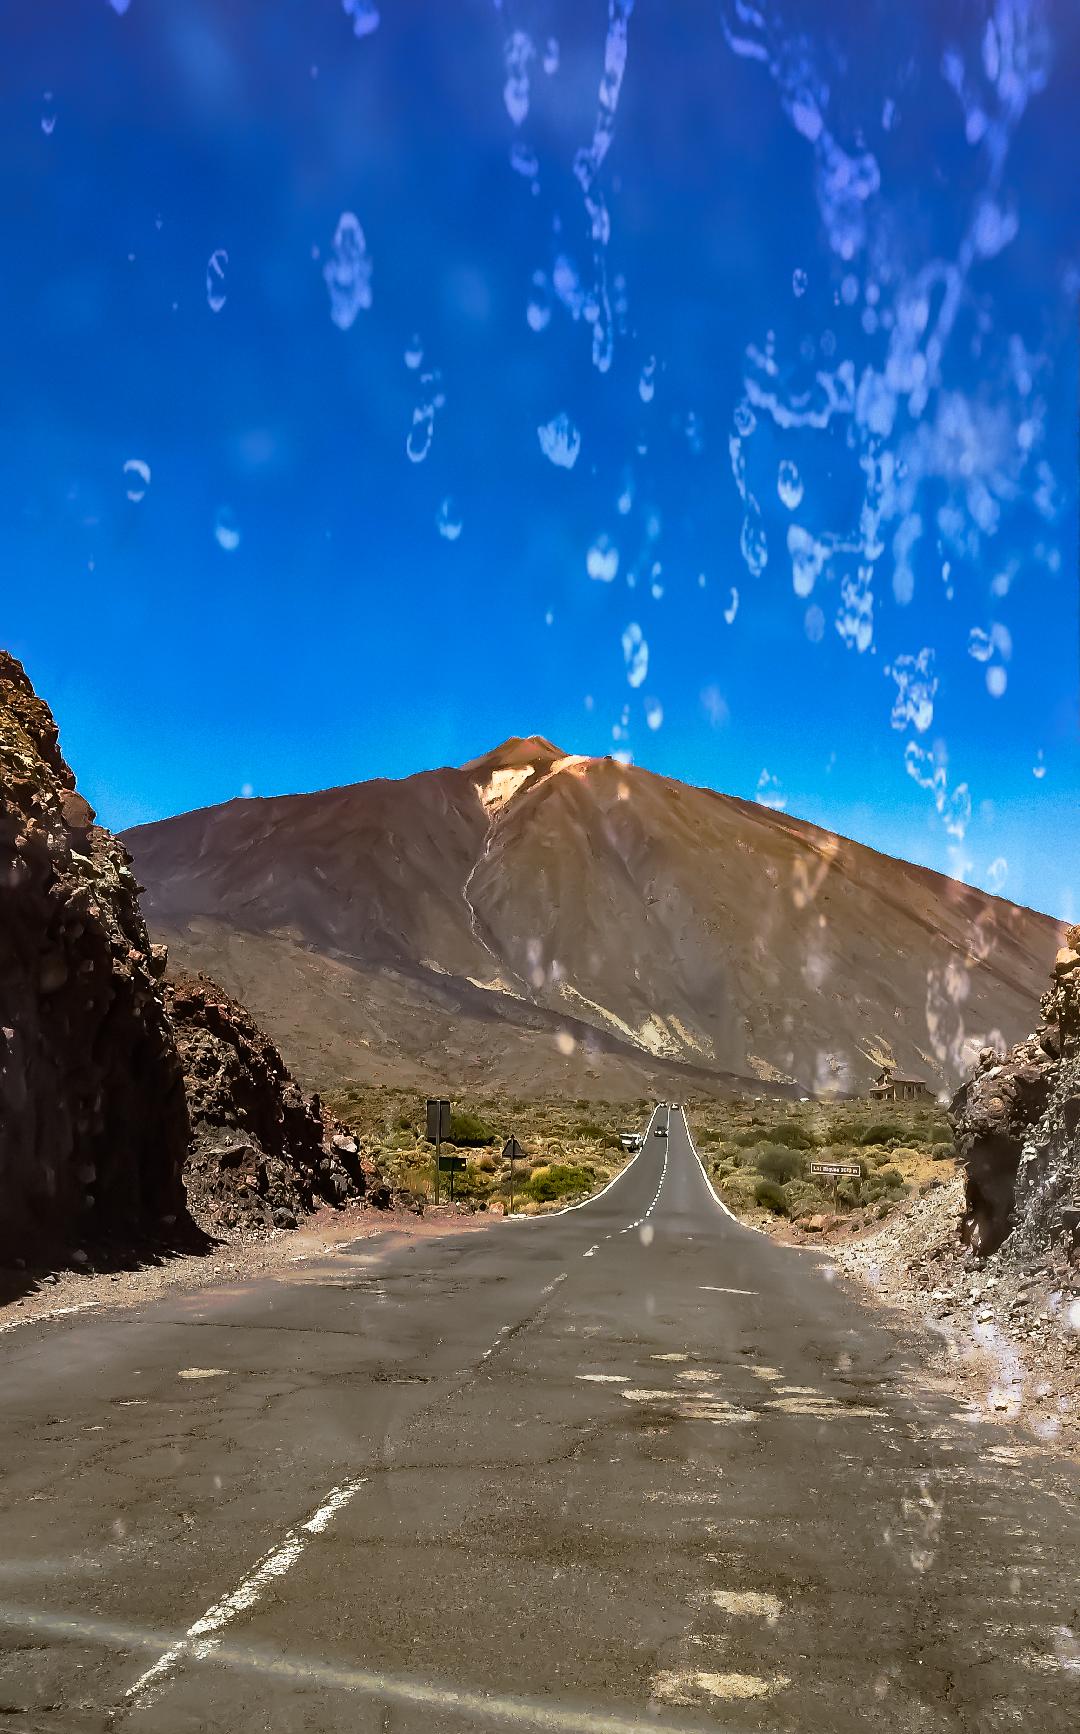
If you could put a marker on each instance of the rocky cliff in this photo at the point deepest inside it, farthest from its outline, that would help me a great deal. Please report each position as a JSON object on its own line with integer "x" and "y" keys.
{"x": 116, "y": 1086}
{"x": 93, "y": 1121}
{"x": 262, "y": 1152}
{"x": 1016, "y": 1122}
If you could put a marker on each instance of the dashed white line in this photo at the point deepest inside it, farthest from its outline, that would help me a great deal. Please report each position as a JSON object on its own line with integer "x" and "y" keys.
{"x": 199, "y": 1640}
{"x": 711, "y": 1288}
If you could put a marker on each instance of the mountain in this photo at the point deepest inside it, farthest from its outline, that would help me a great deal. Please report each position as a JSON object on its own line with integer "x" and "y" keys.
{"x": 536, "y": 919}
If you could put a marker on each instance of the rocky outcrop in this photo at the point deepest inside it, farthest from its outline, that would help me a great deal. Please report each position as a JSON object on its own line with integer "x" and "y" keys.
{"x": 1016, "y": 1122}
{"x": 93, "y": 1120}
{"x": 262, "y": 1152}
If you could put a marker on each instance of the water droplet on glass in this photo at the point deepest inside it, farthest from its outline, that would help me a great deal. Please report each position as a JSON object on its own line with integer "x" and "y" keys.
{"x": 745, "y": 420}
{"x": 364, "y": 14}
{"x": 789, "y": 485}
{"x": 1038, "y": 769}
{"x": 419, "y": 437}
{"x": 448, "y": 520}
{"x": 348, "y": 272}
{"x": 137, "y": 470}
{"x": 551, "y": 56}
{"x": 524, "y": 160}
{"x": 996, "y": 681}
{"x": 48, "y": 120}
{"x": 814, "y": 624}
{"x": 226, "y": 530}
{"x": 753, "y": 545}
{"x": 414, "y": 352}
{"x": 635, "y": 654}
{"x": 560, "y": 441}
{"x": 602, "y": 560}
{"x": 654, "y": 712}
{"x": 518, "y": 54}
{"x": 732, "y": 608}
{"x": 215, "y": 279}
{"x": 647, "y": 382}
{"x": 798, "y": 282}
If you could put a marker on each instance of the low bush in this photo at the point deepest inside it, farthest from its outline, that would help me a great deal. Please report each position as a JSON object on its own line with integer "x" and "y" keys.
{"x": 779, "y": 1164}
{"x": 469, "y": 1130}
{"x": 560, "y": 1180}
{"x": 772, "y": 1197}
{"x": 794, "y": 1136}
{"x": 882, "y": 1132}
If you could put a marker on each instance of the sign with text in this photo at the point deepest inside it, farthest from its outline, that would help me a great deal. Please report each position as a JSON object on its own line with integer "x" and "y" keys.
{"x": 835, "y": 1169}
{"x": 438, "y": 1119}
{"x": 451, "y": 1164}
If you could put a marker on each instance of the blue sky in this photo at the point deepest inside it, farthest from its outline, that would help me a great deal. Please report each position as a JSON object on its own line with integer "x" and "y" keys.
{"x": 807, "y": 306}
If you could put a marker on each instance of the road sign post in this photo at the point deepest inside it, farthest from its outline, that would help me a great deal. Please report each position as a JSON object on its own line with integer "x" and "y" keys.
{"x": 438, "y": 1128}
{"x": 836, "y": 1170}
{"x": 511, "y": 1149}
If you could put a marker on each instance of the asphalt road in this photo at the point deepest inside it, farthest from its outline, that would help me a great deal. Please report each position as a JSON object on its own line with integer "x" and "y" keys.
{"x": 630, "y": 1466}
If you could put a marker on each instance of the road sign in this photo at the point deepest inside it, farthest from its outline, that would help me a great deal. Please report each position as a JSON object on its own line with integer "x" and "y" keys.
{"x": 835, "y": 1169}
{"x": 451, "y": 1164}
{"x": 438, "y": 1128}
{"x": 438, "y": 1119}
{"x": 512, "y": 1152}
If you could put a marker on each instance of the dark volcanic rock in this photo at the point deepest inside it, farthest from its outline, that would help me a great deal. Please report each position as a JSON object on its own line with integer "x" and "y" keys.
{"x": 1016, "y": 1122}
{"x": 93, "y": 1122}
{"x": 262, "y": 1152}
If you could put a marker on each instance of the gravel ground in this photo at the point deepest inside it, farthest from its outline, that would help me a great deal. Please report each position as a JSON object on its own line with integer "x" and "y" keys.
{"x": 1010, "y": 1335}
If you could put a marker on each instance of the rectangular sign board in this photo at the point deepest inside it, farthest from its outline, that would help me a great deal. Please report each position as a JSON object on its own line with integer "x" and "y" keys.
{"x": 835, "y": 1169}
{"x": 451, "y": 1164}
{"x": 438, "y": 1119}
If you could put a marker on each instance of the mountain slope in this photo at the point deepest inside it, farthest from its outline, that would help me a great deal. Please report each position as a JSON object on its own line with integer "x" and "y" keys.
{"x": 535, "y": 918}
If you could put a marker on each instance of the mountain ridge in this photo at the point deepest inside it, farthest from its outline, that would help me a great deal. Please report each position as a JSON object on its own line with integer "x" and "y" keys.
{"x": 563, "y": 884}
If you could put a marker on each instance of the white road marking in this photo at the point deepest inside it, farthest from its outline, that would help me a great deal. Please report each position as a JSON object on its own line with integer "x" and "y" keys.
{"x": 552, "y": 1286}
{"x": 711, "y": 1288}
{"x": 712, "y": 1189}
{"x": 54, "y": 1313}
{"x": 758, "y": 1603}
{"x": 198, "y": 1640}
{"x": 203, "y": 1373}
{"x": 584, "y": 1203}
{"x": 691, "y": 1685}
{"x": 548, "y": 1717}
{"x": 603, "y": 1378}
{"x": 591, "y": 1251}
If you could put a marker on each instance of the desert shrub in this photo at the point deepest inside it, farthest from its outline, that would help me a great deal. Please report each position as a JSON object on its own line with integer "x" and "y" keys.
{"x": 803, "y": 1197}
{"x": 405, "y": 1123}
{"x": 487, "y": 1164}
{"x": 753, "y": 1135}
{"x": 881, "y": 1132}
{"x": 469, "y": 1130}
{"x": 560, "y": 1180}
{"x": 892, "y": 1179}
{"x": 779, "y": 1164}
{"x": 942, "y": 1152}
{"x": 883, "y": 1209}
{"x": 941, "y": 1135}
{"x": 794, "y": 1136}
{"x": 591, "y": 1129}
{"x": 771, "y": 1197}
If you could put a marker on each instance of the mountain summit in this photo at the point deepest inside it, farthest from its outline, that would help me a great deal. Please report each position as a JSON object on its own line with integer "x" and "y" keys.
{"x": 537, "y": 918}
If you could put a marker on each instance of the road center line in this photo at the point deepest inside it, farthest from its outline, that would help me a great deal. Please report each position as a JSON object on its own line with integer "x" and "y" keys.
{"x": 199, "y": 1640}
{"x": 711, "y": 1288}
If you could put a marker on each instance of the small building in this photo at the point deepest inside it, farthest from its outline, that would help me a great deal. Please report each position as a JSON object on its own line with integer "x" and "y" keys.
{"x": 890, "y": 1088}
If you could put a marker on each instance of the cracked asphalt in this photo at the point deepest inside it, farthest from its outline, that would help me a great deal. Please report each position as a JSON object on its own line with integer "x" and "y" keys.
{"x": 628, "y": 1466}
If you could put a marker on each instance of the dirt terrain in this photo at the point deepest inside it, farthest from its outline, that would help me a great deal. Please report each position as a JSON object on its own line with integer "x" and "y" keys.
{"x": 537, "y": 921}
